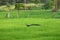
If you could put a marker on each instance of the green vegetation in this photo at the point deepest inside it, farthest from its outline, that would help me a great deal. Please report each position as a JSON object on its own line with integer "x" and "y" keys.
{"x": 30, "y": 14}
{"x": 16, "y": 14}
{"x": 16, "y": 29}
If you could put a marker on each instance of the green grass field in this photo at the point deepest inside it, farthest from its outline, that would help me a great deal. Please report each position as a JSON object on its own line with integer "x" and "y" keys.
{"x": 16, "y": 29}
{"x": 30, "y": 14}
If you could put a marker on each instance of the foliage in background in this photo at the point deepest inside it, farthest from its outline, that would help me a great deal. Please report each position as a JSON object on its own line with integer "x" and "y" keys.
{"x": 48, "y": 5}
{"x": 19, "y": 6}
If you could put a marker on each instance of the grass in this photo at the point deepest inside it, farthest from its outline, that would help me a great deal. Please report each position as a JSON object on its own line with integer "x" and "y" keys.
{"x": 30, "y": 14}
{"x": 15, "y": 29}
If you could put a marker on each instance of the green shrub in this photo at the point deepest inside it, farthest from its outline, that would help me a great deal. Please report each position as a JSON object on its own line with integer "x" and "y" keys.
{"x": 19, "y": 6}
{"x": 48, "y": 5}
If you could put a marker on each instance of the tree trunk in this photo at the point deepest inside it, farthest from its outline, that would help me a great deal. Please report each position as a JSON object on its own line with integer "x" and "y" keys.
{"x": 8, "y": 15}
{"x": 8, "y": 6}
{"x": 18, "y": 14}
{"x": 25, "y": 5}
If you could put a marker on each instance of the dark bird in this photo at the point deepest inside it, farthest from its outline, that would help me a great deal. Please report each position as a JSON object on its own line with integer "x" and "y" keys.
{"x": 28, "y": 25}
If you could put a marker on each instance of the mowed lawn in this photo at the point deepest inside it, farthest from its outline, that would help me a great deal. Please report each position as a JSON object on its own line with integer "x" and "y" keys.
{"x": 30, "y": 14}
{"x": 16, "y": 29}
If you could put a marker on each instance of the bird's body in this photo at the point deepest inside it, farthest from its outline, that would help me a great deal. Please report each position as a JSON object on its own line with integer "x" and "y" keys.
{"x": 28, "y": 25}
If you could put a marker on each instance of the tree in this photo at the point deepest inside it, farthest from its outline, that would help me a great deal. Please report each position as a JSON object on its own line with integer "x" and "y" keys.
{"x": 9, "y": 9}
{"x": 47, "y": 4}
{"x": 56, "y": 4}
{"x": 55, "y": 9}
{"x": 0, "y": 2}
{"x": 17, "y": 6}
